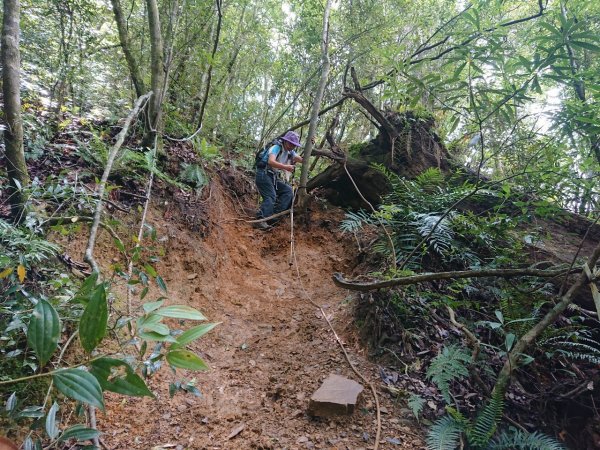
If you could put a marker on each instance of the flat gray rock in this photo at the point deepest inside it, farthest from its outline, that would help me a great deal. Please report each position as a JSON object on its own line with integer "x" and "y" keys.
{"x": 336, "y": 396}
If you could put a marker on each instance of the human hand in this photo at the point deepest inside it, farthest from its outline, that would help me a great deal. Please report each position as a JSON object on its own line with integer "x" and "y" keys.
{"x": 313, "y": 140}
{"x": 289, "y": 168}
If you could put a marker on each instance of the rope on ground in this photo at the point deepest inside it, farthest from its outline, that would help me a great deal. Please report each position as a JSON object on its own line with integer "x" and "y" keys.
{"x": 294, "y": 260}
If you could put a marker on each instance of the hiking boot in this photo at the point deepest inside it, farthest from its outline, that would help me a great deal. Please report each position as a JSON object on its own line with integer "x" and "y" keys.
{"x": 261, "y": 226}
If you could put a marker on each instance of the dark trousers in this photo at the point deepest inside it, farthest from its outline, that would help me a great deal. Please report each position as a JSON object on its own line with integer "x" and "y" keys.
{"x": 276, "y": 195}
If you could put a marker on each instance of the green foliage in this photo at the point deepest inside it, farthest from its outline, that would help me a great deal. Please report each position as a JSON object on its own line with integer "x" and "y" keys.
{"x": 519, "y": 440}
{"x": 449, "y": 365}
{"x": 576, "y": 343}
{"x": 416, "y": 403}
{"x": 93, "y": 322}
{"x": 79, "y": 385}
{"x": 417, "y": 213}
{"x": 444, "y": 434}
{"x": 194, "y": 175}
{"x": 116, "y": 375}
{"x": 43, "y": 331}
{"x": 487, "y": 420}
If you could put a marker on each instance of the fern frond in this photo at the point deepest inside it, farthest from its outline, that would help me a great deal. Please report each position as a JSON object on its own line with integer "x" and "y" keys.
{"x": 520, "y": 440}
{"x": 354, "y": 221}
{"x": 449, "y": 365}
{"x": 416, "y": 403}
{"x": 430, "y": 179}
{"x": 439, "y": 238}
{"x": 194, "y": 175}
{"x": 444, "y": 434}
{"x": 487, "y": 421}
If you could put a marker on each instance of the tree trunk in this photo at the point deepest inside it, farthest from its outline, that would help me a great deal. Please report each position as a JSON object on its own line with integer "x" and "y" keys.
{"x": 219, "y": 4}
{"x": 303, "y": 196}
{"x": 13, "y": 135}
{"x": 134, "y": 70}
{"x": 157, "y": 76}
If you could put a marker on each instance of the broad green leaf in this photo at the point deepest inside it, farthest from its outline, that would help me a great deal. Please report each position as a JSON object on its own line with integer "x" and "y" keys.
{"x": 161, "y": 283}
{"x": 32, "y": 412}
{"x": 117, "y": 376}
{"x": 184, "y": 359}
{"x": 149, "y": 307}
{"x": 120, "y": 245}
{"x": 192, "y": 334}
{"x": 11, "y": 403}
{"x": 154, "y": 336}
{"x": 86, "y": 289}
{"x": 509, "y": 341}
{"x": 148, "y": 319}
{"x": 51, "y": 427}
{"x": 43, "y": 331}
{"x": 586, "y": 45}
{"x": 180, "y": 312}
{"x": 92, "y": 326}
{"x": 150, "y": 270}
{"x": 552, "y": 29}
{"x": 79, "y": 432}
{"x": 587, "y": 120}
{"x": 79, "y": 385}
{"x": 159, "y": 328}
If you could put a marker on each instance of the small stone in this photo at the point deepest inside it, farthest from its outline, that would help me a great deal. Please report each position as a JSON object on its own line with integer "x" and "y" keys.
{"x": 336, "y": 396}
{"x": 166, "y": 416}
{"x": 383, "y": 410}
{"x": 191, "y": 276}
{"x": 301, "y": 440}
{"x": 181, "y": 408}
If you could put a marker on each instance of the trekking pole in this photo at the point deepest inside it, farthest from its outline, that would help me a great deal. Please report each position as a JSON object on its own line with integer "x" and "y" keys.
{"x": 294, "y": 191}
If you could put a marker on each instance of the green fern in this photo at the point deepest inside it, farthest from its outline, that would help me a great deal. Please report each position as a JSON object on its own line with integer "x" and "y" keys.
{"x": 194, "y": 175}
{"x": 576, "y": 343}
{"x": 520, "y": 440}
{"x": 354, "y": 221}
{"x": 416, "y": 403}
{"x": 430, "y": 179}
{"x": 487, "y": 421}
{"x": 444, "y": 434}
{"x": 449, "y": 365}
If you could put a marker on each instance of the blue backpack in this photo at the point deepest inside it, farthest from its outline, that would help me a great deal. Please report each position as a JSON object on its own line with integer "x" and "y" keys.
{"x": 259, "y": 158}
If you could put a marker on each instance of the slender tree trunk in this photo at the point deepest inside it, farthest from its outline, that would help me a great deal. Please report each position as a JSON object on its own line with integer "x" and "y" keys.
{"x": 13, "y": 135}
{"x": 303, "y": 195}
{"x": 219, "y": 4}
{"x": 157, "y": 76}
{"x": 134, "y": 70}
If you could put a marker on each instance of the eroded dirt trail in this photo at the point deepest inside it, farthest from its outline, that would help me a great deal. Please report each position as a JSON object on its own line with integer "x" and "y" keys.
{"x": 269, "y": 354}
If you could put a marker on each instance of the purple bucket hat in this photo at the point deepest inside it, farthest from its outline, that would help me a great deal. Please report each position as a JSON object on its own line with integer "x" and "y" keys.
{"x": 292, "y": 138}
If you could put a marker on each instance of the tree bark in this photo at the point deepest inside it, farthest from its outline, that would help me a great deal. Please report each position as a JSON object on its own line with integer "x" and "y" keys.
{"x": 366, "y": 286}
{"x": 13, "y": 135}
{"x": 134, "y": 70}
{"x": 219, "y": 4}
{"x": 157, "y": 76}
{"x": 303, "y": 195}
{"x": 514, "y": 356}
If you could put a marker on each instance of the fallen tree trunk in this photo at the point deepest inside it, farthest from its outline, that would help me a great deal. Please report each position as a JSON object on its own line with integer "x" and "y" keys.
{"x": 365, "y": 286}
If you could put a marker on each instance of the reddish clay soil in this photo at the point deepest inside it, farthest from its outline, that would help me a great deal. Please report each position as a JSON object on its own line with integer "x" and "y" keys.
{"x": 272, "y": 349}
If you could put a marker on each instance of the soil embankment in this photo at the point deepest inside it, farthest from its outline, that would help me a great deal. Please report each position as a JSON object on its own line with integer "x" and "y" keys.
{"x": 271, "y": 350}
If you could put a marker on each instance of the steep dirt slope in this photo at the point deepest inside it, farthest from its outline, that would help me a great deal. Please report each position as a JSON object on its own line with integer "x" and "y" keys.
{"x": 271, "y": 351}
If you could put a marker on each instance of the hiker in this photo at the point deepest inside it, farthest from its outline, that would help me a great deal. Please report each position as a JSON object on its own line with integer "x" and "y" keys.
{"x": 275, "y": 158}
